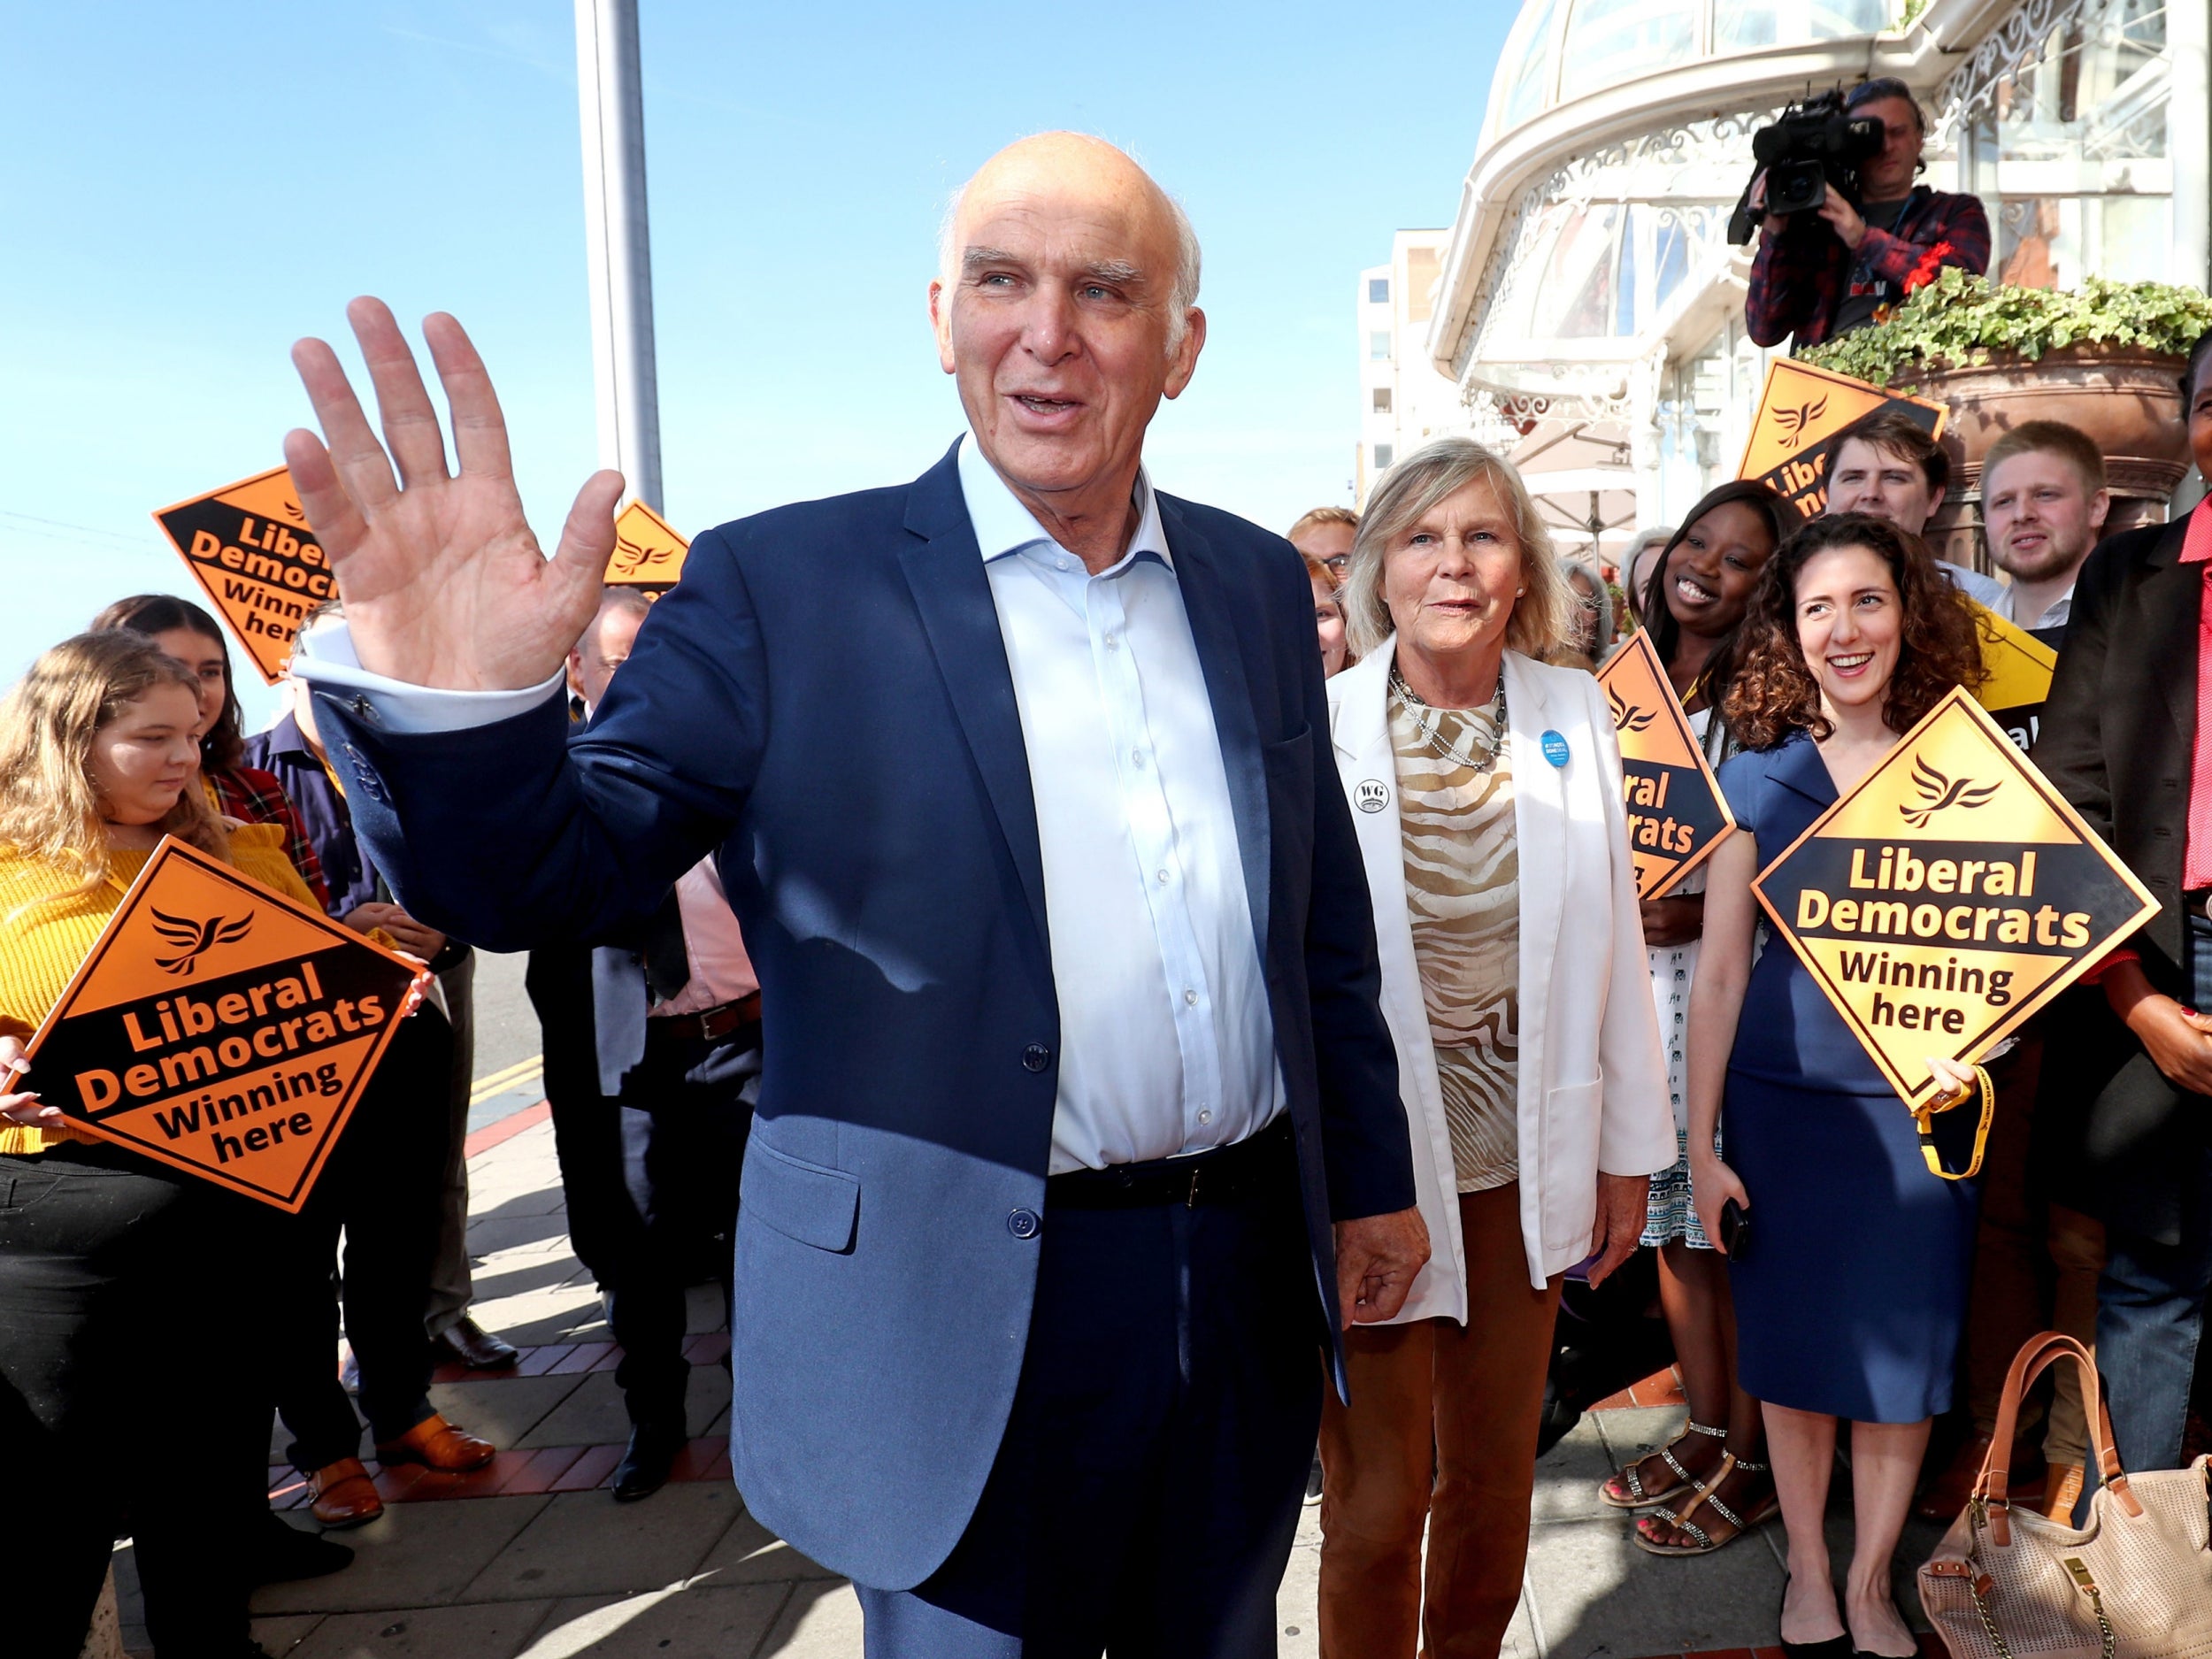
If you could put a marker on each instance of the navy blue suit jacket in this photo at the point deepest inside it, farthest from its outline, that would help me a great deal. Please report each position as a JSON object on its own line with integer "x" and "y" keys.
{"x": 825, "y": 698}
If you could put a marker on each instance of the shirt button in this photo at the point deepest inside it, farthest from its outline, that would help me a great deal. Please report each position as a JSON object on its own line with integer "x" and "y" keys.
{"x": 1113, "y": 642}
{"x": 1164, "y": 877}
{"x": 1067, "y": 565}
{"x": 1036, "y": 1057}
{"x": 1190, "y": 999}
{"x": 1205, "y": 1117}
{"x": 1136, "y": 758}
{"x": 1023, "y": 1224}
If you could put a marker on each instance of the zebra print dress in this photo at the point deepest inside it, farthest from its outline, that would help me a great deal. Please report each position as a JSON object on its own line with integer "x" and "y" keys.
{"x": 1464, "y": 894}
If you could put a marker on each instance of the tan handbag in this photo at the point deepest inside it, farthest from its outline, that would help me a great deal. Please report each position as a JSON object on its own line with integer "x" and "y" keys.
{"x": 2136, "y": 1583}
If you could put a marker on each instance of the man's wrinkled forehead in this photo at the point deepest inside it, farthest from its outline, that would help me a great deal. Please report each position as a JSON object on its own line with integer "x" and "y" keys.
{"x": 1093, "y": 229}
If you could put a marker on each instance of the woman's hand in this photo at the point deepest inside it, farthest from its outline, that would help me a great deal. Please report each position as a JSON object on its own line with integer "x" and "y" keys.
{"x": 1954, "y": 1083}
{"x": 418, "y": 988}
{"x": 24, "y": 1108}
{"x": 1623, "y": 1203}
{"x": 1713, "y": 1184}
{"x": 2178, "y": 1042}
{"x": 1675, "y": 921}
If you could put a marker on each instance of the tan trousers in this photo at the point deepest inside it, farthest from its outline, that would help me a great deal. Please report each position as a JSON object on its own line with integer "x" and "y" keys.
{"x": 1456, "y": 1405}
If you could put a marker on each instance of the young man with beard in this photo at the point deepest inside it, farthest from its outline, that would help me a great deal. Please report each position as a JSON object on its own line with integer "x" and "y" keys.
{"x": 2044, "y": 503}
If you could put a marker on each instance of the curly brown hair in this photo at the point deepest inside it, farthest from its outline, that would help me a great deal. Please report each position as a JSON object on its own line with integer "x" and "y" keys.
{"x": 1774, "y": 693}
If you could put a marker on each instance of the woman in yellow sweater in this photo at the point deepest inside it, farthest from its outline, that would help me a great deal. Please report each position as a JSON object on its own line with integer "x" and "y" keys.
{"x": 121, "y": 1333}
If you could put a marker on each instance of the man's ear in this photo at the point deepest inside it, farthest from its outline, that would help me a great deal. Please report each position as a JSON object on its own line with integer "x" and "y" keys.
{"x": 941, "y": 322}
{"x": 1183, "y": 361}
{"x": 2099, "y": 506}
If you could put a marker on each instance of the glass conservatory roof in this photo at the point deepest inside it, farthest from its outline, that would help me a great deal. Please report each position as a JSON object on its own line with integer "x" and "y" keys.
{"x": 1559, "y": 50}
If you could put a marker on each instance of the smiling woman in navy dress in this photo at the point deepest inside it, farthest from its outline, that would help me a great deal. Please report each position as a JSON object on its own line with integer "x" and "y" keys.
{"x": 1849, "y": 1301}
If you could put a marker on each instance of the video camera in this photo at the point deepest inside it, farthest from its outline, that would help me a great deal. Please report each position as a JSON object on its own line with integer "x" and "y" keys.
{"x": 1810, "y": 145}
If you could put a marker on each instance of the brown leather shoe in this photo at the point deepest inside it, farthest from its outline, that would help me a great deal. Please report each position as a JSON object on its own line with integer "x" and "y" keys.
{"x": 1947, "y": 1495}
{"x": 343, "y": 1495}
{"x": 437, "y": 1444}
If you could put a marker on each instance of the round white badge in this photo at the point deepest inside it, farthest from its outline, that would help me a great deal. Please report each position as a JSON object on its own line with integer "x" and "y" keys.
{"x": 1370, "y": 795}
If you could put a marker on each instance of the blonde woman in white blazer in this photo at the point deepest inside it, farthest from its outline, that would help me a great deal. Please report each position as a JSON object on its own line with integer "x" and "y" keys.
{"x": 1515, "y": 984}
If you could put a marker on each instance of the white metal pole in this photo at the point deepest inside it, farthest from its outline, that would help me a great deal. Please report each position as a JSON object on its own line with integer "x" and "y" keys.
{"x": 611, "y": 103}
{"x": 2189, "y": 138}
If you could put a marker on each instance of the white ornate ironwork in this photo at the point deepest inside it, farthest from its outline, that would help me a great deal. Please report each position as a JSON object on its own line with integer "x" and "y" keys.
{"x": 2016, "y": 40}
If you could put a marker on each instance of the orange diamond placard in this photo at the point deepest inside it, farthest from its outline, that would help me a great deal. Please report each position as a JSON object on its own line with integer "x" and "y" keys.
{"x": 1803, "y": 414}
{"x": 248, "y": 547}
{"x": 1676, "y": 812}
{"x": 1948, "y": 896}
{"x": 220, "y": 1028}
{"x": 2019, "y": 667}
{"x": 648, "y": 554}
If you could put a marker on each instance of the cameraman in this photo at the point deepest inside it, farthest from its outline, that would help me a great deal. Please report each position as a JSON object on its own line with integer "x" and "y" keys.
{"x": 1838, "y": 267}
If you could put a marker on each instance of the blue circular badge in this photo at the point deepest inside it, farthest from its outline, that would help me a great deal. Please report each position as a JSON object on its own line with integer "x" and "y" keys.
{"x": 1555, "y": 748}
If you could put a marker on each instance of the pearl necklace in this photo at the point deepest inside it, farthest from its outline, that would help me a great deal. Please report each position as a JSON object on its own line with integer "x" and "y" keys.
{"x": 1427, "y": 722}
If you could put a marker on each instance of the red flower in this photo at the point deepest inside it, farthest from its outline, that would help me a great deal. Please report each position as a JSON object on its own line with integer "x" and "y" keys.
{"x": 1931, "y": 261}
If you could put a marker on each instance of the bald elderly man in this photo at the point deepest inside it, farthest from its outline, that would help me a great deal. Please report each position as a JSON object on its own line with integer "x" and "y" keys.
{"x": 1080, "y": 1128}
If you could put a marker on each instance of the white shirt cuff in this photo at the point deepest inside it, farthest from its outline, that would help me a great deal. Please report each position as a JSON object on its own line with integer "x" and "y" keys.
{"x": 325, "y": 660}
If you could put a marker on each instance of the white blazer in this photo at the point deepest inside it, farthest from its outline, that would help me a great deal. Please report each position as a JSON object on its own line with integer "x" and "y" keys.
{"x": 1593, "y": 1080}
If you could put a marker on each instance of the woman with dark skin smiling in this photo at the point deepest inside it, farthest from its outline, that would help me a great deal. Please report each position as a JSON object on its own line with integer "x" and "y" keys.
{"x": 1850, "y": 1286}
{"x": 1712, "y": 1483}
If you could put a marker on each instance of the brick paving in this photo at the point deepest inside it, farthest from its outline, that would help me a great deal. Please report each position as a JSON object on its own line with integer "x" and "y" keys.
{"x": 530, "y": 1558}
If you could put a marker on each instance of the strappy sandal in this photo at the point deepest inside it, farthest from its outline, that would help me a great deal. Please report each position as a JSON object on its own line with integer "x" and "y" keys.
{"x": 1706, "y": 1542}
{"x": 1632, "y": 1478}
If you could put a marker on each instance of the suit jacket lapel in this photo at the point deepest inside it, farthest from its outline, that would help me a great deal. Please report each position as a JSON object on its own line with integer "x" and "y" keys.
{"x": 1213, "y": 621}
{"x": 2168, "y": 598}
{"x": 944, "y": 568}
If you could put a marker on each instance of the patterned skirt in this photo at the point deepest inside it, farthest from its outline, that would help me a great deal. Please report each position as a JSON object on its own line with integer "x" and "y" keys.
{"x": 1671, "y": 1213}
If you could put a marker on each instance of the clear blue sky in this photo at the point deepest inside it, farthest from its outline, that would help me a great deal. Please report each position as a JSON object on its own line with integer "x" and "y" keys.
{"x": 195, "y": 186}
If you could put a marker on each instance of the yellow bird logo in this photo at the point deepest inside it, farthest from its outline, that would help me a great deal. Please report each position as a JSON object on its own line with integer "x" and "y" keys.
{"x": 1794, "y": 422}
{"x": 191, "y": 940}
{"x": 1938, "y": 792}
{"x": 1627, "y": 717}
{"x": 631, "y": 558}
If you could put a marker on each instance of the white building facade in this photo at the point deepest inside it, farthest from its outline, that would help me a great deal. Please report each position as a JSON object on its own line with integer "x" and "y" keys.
{"x": 1588, "y": 309}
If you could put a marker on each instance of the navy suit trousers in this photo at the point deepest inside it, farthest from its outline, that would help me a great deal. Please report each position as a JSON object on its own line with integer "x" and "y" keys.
{"x": 651, "y": 1177}
{"x": 1147, "y": 1490}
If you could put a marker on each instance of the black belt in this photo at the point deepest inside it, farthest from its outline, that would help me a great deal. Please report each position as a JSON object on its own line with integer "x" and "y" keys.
{"x": 1259, "y": 1163}
{"x": 708, "y": 1024}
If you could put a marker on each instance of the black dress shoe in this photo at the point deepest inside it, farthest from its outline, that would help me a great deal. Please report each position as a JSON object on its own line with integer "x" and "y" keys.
{"x": 278, "y": 1554}
{"x": 647, "y": 1461}
{"x": 474, "y": 1347}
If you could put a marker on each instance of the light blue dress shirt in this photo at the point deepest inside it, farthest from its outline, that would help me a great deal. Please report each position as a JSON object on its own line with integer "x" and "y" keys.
{"x": 1167, "y": 1045}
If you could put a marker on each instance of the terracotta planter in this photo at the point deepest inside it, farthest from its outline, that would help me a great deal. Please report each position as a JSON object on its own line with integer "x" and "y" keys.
{"x": 2128, "y": 400}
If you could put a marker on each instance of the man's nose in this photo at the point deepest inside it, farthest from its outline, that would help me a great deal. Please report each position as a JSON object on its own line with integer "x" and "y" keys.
{"x": 1048, "y": 331}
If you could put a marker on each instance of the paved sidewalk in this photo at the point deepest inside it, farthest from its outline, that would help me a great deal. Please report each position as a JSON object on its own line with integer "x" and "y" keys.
{"x": 531, "y": 1559}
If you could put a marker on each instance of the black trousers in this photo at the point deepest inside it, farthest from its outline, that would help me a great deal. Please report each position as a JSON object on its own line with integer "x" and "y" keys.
{"x": 1146, "y": 1495}
{"x": 383, "y": 1188}
{"x": 652, "y": 1184}
{"x": 123, "y": 1288}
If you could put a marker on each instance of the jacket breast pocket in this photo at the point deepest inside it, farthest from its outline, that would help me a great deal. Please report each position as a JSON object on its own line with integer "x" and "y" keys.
{"x": 802, "y": 1201}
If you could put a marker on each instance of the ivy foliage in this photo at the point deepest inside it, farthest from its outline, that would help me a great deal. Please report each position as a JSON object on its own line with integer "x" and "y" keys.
{"x": 1961, "y": 320}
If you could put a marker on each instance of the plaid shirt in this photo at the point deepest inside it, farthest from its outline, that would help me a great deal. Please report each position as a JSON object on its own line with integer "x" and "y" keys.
{"x": 1802, "y": 275}
{"x": 254, "y": 796}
